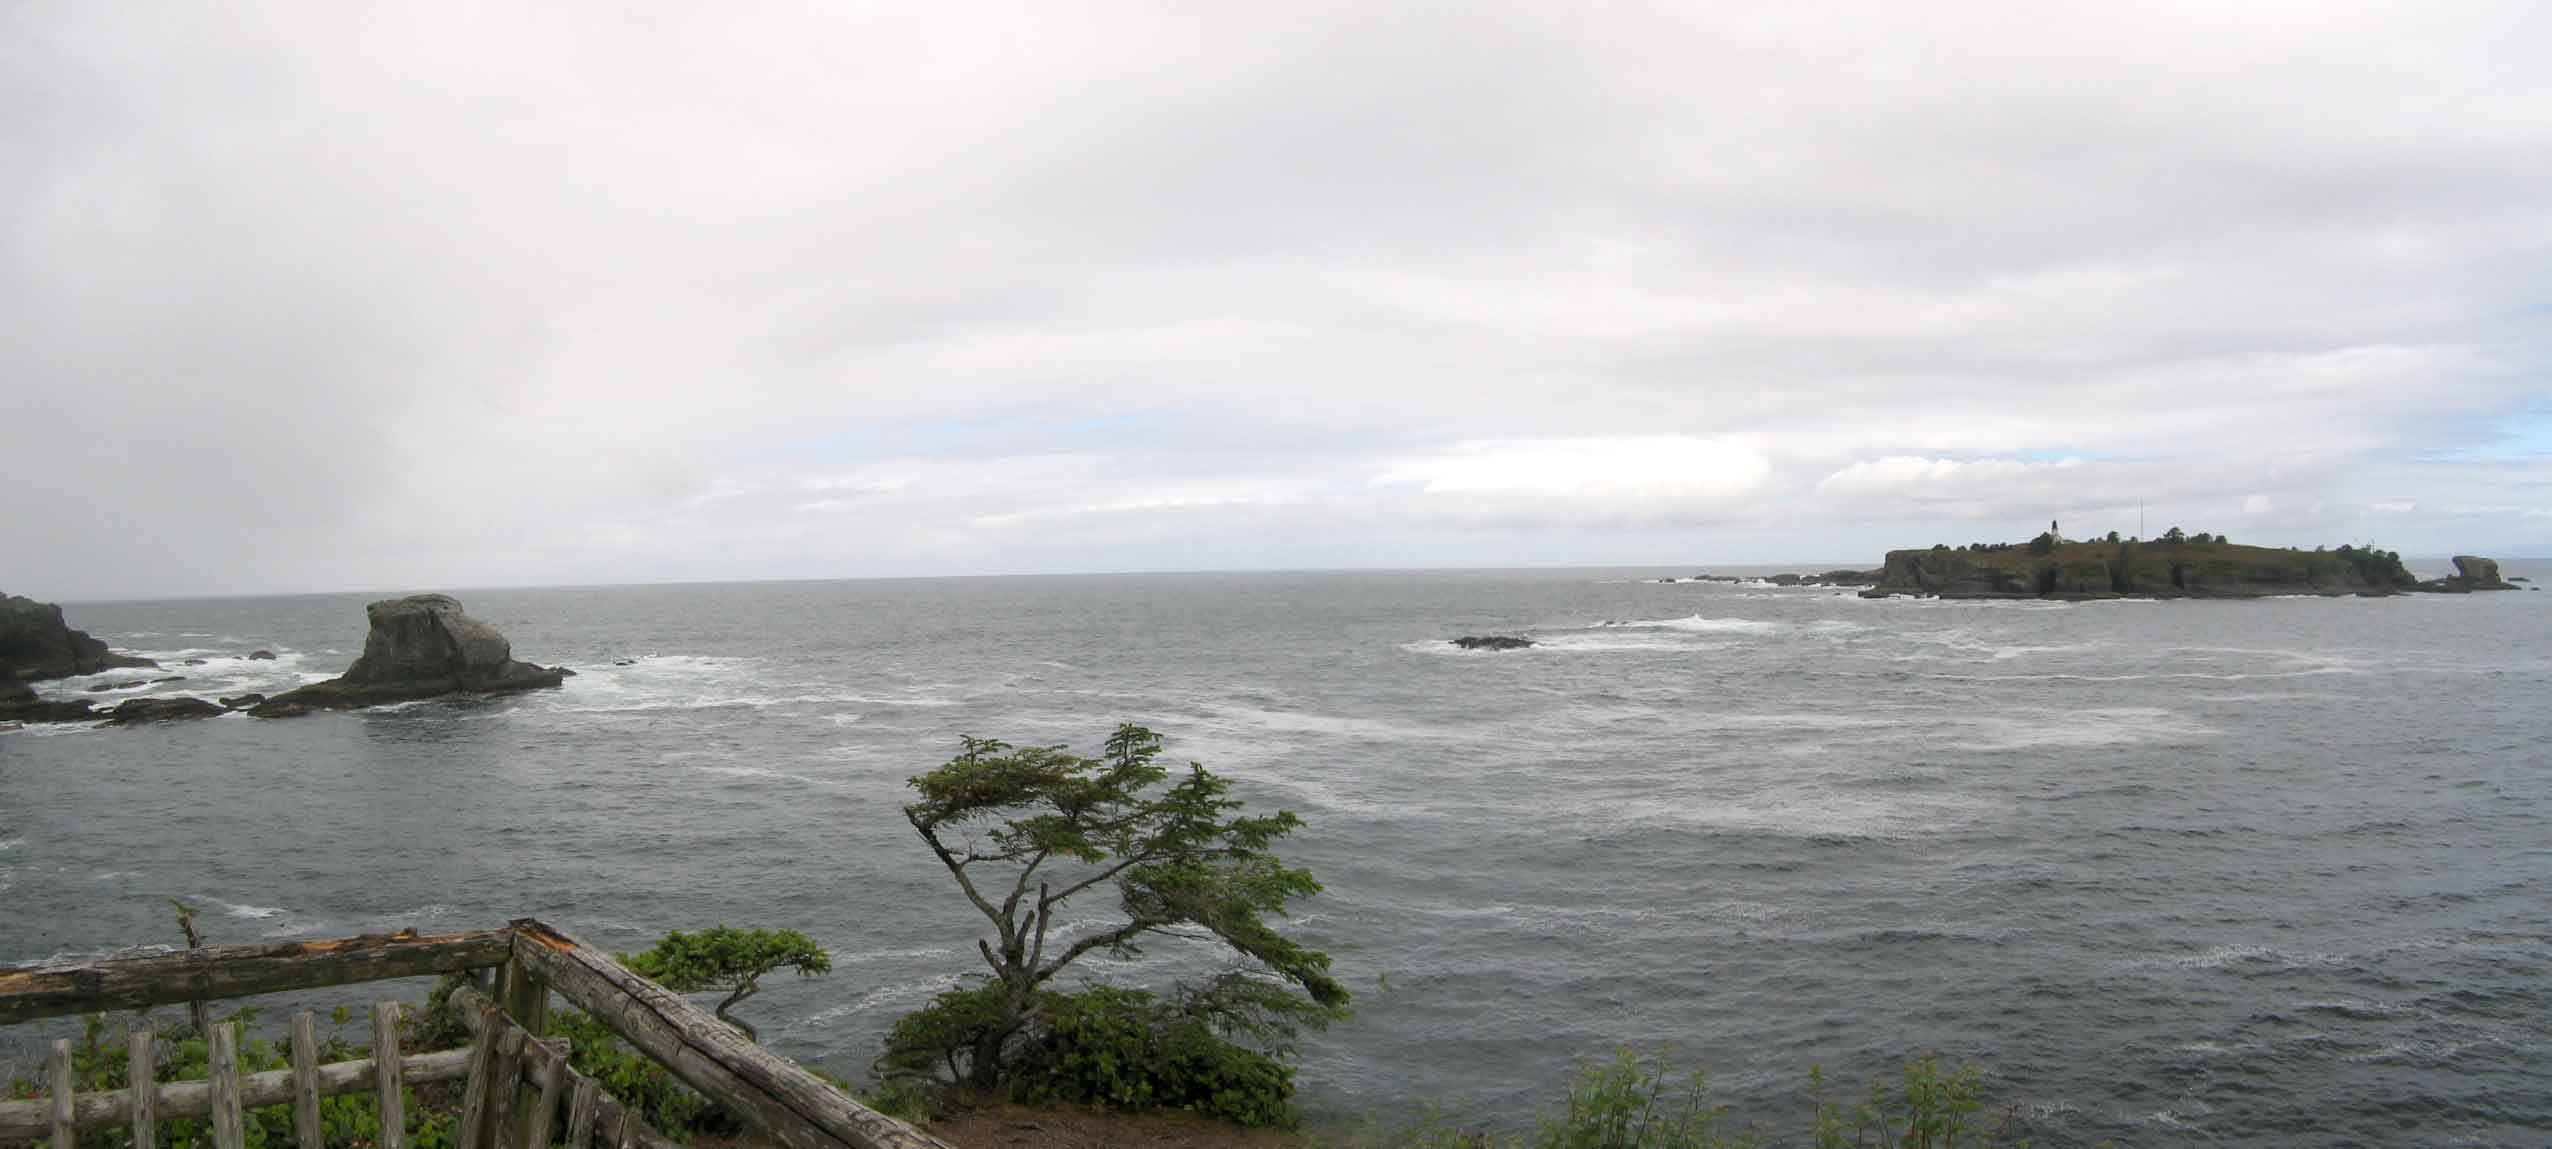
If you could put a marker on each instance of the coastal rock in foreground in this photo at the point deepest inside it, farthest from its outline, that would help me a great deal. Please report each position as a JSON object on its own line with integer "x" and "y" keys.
{"x": 36, "y": 644}
{"x": 421, "y": 646}
{"x": 1491, "y": 642}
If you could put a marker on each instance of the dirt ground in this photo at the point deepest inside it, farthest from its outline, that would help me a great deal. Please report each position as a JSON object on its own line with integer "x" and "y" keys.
{"x": 1014, "y": 1127}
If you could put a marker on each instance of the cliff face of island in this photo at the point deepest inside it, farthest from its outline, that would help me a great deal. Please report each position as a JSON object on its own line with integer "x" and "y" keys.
{"x": 2151, "y": 569}
{"x": 35, "y": 644}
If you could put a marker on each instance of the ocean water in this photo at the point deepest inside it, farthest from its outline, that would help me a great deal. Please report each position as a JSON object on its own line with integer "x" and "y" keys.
{"x": 2273, "y": 872}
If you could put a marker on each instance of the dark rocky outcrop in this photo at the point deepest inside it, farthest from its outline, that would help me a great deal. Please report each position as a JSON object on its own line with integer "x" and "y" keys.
{"x": 36, "y": 644}
{"x": 137, "y": 710}
{"x": 1491, "y": 642}
{"x": 261, "y": 656}
{"x": 18, "y": 703}
{"x": 422, "y": 646}
{"x": 242, "y": 701}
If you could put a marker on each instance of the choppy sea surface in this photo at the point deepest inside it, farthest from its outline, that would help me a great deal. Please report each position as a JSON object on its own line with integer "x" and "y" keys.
{"x": 2272, "y": 872}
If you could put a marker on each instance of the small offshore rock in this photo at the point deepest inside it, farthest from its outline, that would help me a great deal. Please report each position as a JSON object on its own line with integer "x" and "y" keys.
{"x": 261, "y": 656}
{"x": 1492, "y": 642}
{"x": 421, "y": 646}
{"x": 242, "y": 701}
{"x": 194, "y": 662}
{"x": 134, "y": 710}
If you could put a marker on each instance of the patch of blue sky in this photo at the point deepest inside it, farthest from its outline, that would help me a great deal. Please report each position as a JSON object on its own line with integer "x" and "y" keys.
{"x": 2523, "y": 435}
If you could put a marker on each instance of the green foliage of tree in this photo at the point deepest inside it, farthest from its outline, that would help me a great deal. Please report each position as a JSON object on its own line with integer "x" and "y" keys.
{"x": 1023, "y": 830}
{"x": 724, "y": 958}
{"x": 2043, "y": 545}
{"x": 2175, "y": 536}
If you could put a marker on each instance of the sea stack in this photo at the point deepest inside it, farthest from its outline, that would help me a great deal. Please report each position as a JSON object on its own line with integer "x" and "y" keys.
{"x": 2473, "y": 572}
{"x": 421, "y": 646}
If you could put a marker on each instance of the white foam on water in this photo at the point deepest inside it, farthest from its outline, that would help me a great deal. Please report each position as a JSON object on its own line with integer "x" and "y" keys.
{"x": 8, "y": 844}
{"x": 913, "y": 992}
{"x": 1619, "y": 641}
{"x": 765, "y": 772}
{"x": 864, "y": 956}
{"x": 239, "y": 909}
{"x": 1330, "y": 725}
{"x": 1695, "y": 624}
{"x": 1815, "y": 811}
{"x": 2083, "y": 728}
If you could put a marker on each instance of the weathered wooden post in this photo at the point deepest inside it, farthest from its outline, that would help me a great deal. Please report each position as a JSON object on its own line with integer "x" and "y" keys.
{"x": 481, "y": 1084}
{"x": 142, "y": 1067}
{"x": 64, "y": 1137}
{"x": 230, "y": 1130}
{"x": 544, "y": 1113}
{"x": 385, "y": 1055}
{"x": 523, "y": 993}
{"x": 580, "y": 1113}
{"x": 502, "y": 1104}
{"x": 305, "y": 1083}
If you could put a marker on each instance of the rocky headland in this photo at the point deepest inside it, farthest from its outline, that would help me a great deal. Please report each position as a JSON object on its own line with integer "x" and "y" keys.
{"x": 37, "y": 645}
{"x": 421, "y": 646}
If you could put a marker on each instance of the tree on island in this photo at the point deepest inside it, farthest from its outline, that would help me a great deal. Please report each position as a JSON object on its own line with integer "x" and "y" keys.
{"x": 2175, "y": 536}
{"x": 730, "y": 959}
{"x": 1023, "y": 830}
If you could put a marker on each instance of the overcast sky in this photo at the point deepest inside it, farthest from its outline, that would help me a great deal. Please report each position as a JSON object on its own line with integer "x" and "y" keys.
{"x": 329, "y": 296}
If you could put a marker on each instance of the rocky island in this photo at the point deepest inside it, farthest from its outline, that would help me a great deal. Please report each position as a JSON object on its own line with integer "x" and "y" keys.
{"x": 421, "y": 646}
{"x": 2177, "y": 565}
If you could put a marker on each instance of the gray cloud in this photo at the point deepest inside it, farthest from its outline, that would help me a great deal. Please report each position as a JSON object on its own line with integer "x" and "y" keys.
{"x": 315, "y": 296}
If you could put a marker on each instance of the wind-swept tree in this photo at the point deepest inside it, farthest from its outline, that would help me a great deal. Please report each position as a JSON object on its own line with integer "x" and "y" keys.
{"x": 1025, "y": 829}
{"x": 734, "y": 960}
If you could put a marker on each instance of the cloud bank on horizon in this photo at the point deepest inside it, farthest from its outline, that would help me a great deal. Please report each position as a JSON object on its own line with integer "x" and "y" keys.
{"x": 306, "y": 296}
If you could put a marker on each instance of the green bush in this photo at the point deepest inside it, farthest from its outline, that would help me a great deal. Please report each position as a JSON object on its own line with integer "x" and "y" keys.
{"x": 1118, "y": 1049}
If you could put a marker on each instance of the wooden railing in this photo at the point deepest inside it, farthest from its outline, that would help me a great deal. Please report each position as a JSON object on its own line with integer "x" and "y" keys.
{"x": 515, "y": 1078}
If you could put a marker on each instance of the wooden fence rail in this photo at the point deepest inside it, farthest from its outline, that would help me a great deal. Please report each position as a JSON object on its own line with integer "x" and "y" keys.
{"x": 90, "y": 985}
{"x": 515, "y": 1082}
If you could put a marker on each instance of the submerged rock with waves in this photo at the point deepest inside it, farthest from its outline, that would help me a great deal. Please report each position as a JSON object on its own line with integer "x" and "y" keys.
{"x": 421, "y": 646}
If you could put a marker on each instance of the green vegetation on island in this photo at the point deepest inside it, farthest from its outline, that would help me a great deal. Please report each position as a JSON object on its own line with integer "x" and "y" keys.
{"x": 2176, "y": 565}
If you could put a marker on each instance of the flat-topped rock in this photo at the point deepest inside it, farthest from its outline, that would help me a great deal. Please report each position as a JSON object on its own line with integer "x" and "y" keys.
{"x": 421, "y": 646}
{"x": 2477, "y": 573}
{"x": 1491, "y": 642}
